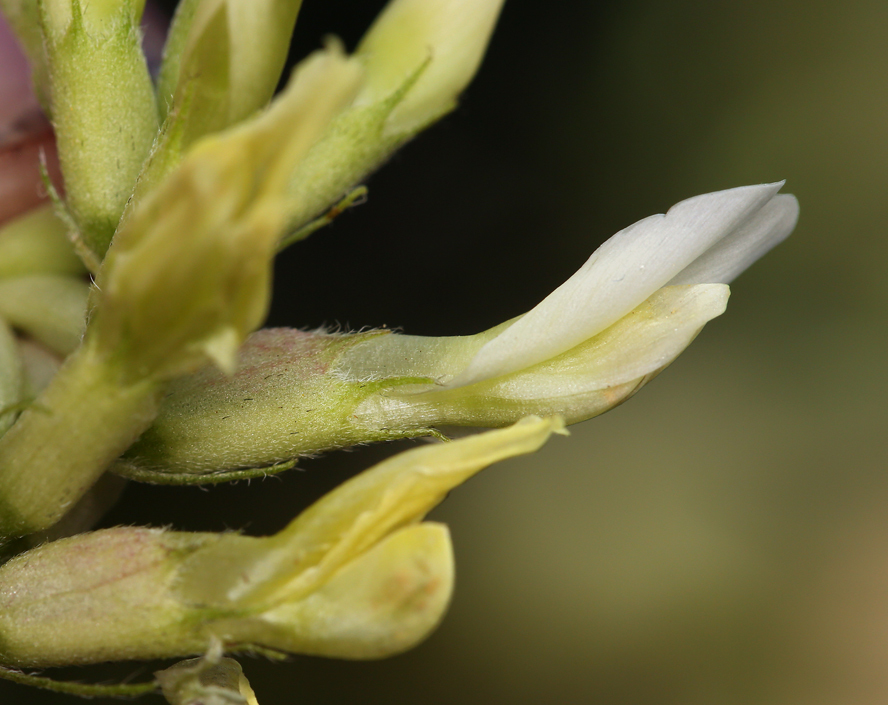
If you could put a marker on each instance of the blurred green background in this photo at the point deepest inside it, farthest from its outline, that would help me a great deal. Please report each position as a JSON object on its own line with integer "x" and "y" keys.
{"x": 723, "y": 537}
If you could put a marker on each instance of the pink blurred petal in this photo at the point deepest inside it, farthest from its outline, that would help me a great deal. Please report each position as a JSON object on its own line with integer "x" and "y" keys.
{"x": 21, "y": 144}
{"x": 15, "y": 77}
{"x": 24, "y": 133}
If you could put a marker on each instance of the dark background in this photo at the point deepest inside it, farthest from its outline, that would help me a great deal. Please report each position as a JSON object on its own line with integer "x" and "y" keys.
{"x": 723, "y": 537}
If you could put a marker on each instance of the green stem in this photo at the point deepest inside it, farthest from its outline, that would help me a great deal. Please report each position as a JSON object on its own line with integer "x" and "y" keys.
{"x": 84, "y": 690}
{"x": 88, "y": 415}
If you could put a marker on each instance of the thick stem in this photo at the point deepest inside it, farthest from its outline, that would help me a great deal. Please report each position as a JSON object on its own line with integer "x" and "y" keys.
{"x": 86, "y": 417}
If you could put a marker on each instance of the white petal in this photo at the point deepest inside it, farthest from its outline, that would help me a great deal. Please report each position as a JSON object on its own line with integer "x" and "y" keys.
{"x": 730, "y": 257}
{"x": 619, "y": 276}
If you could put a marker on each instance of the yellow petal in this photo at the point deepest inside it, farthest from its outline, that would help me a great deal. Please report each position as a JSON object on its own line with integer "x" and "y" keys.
{"x": 380, "y": 604}
{"x": 395, "y": 493}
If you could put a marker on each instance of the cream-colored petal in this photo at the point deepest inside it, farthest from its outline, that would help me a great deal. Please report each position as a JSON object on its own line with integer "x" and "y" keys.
{"x": 585, "y": 381}
{"x": 605, "y": 370}
{"x": 380, "y": 604}
{"x": 645, "y": 340}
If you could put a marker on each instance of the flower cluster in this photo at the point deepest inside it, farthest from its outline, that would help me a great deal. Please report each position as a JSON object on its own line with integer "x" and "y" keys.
{"x": 179, "y": 190}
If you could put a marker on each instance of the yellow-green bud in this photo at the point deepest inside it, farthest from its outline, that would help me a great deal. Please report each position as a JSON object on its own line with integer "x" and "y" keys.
{"x": 222, "y": 61}
{"x": 165, "y": 302}
{"x": 37, "y": 243}
{"x": 419, "y": 56}
{"x": 451, "y": 35}
{"x": 102, "y": 106}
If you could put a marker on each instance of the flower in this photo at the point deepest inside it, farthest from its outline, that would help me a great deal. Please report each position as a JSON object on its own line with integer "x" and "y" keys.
{"x": 172, "y": 301}
{"x": 418, "y": 55}
{"x": 359, "y": 574}
{"x": 451, "y": 35}
{"x": 639, "y": 300}
{"x": 97, "y": 78}
{"x": 636, "y": 303}
{"x": 709, "y": 239}
{"x": 221, "y": 63}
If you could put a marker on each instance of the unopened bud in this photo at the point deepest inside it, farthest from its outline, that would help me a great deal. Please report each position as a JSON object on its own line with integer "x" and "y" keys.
{"x": 171, "y": 302}
{"x": 102, "y": 105}
{"x": 222, "y": 61}
{"x": 419, "y": 56}
{"x": 451, "y": 36}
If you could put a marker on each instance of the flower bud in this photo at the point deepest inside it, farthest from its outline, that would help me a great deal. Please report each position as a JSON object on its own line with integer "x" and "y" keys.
{"x": 640, "y": 299}
{"x": 222, "y": 61}
{"x": 102, "y": 106}
{"x": 170, "y": 302}
{"x": 93, "y": 597}
{"x": 451, "y": 35}
{"x": 419, "y": 56}
{"x": 357, "y": 575}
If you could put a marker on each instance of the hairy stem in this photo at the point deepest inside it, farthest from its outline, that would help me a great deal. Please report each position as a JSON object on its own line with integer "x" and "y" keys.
{"x": 61, "y": 444}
